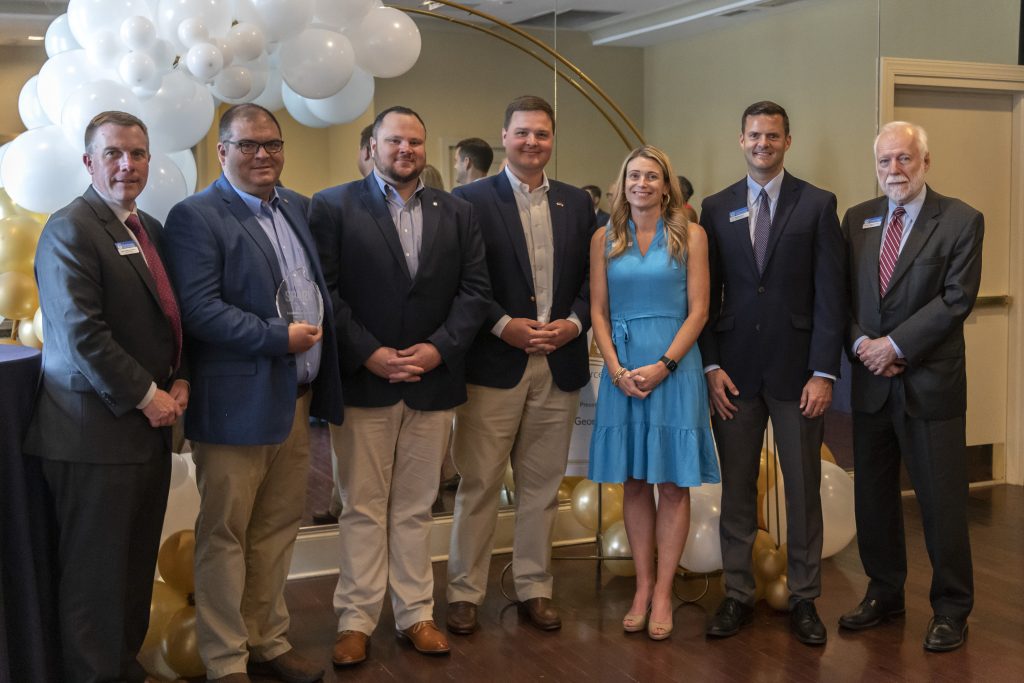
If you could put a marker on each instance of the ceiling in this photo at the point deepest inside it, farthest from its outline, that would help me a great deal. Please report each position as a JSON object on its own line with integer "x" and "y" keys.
{"x": 634, "y": 23}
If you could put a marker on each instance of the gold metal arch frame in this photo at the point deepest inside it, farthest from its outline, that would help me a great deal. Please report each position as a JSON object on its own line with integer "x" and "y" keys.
{"x": 615, "y": 108}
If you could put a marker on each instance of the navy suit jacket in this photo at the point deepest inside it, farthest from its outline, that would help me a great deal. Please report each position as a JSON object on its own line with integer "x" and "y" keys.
{"x": 226, "y": 274}
{"x": 491, "y": 362}
{"x": 770, "y": 331}
{"x": 932, "y": 291}
{"x": 377, "y": 303}
{"x": 107, "y": 340}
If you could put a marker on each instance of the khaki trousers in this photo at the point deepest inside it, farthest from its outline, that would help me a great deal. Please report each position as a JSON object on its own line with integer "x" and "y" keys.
{"x": 388, "y": 464}
{"x": 251, "y": 502}
{"x": 530, "y": 423}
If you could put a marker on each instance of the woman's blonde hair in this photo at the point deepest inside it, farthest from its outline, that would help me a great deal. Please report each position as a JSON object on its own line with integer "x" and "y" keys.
{"x": 672, "y": 213}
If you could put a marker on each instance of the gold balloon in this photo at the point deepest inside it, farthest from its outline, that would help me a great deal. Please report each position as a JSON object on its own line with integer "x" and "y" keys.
{"x": 777, "y": 594}
{"x": 27, "y": 333}
{"x": 7, "y": 205}
{"x": 826, "y": 454}
{"x": 763, "y": 541}
{"x": 18, "y": 238}
{"x": 566, "y": 487}
{"x": 175, "y": 561}
{"x": 614, "y": 543}
{"x": 179, "y": 645}
{"x": 19, "y": 298}
{"x": 165, "y": 604}
{"x": 584, "y": 503}
{"x": 769, "y": 563}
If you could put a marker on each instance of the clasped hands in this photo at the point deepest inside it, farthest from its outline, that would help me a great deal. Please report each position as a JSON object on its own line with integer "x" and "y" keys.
{"x": 641, "y": 381}
{"x": 167, "y": 406}
{"x": 536, "y": 337}
{"x": 403, "y": 365}
{"x": 879, "y": 356}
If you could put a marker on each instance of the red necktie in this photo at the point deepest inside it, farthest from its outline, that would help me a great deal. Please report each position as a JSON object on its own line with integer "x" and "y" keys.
{"x": 163, "y": 284}
{"x": 890, "y": 249}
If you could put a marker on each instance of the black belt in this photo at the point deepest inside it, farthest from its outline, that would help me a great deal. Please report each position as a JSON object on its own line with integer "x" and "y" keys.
{"x": 301, "y": 390}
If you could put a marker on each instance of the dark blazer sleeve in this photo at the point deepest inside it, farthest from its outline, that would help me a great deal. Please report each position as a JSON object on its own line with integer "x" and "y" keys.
{"x": 581, "y": 304}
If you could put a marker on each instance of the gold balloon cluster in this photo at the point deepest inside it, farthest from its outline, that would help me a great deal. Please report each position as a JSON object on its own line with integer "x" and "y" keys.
{"x": 19, "y": 298}
{"x": 583, "y": 493}
{"x": 171, "y": 639}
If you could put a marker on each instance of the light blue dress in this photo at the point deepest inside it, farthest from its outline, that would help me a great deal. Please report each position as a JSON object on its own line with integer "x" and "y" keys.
{"x": 665, "y": 437}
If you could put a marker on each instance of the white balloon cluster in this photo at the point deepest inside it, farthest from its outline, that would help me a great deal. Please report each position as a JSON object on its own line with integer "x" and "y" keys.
{"x": 169, "y": 61}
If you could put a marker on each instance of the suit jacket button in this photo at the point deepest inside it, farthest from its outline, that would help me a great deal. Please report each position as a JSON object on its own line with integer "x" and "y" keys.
{"x": 760, "y": 290}
{"x": 533, "y": 299}
{"x": 757, "y": 327}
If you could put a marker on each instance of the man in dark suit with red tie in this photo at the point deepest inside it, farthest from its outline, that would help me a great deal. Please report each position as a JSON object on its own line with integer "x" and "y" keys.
{"x": 771, "y": 349}
{"x": 915, "y": 270}
{"x": 112, "y": 387}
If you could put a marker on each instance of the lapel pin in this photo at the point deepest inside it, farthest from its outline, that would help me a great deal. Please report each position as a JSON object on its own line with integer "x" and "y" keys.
{"x": 435, "y": 203}
{"x": 559, "y": 204}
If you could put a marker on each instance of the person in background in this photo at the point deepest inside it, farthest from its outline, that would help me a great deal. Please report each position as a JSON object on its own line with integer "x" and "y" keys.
{"x": 649, "y": 301}
{"x": 595, "y": 195}
{"x": 687, "y": 189}
{"x": 473, "y": 159}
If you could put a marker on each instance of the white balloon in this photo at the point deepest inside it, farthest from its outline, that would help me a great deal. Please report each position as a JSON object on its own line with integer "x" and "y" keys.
{"x": 179, "y": 471}
{"x": 298, "y": 107}
{"x": 204, "y": 61}
{"x": 344, "y": 14}
{"x": 283, "y": 19}
{"x": 86, "y": 17}
{"x": 88, "y": 100}
{"x": 215, "y": 15}
{"x": 163, "y": 54}
{"x": 137, "y": 68}
{"x": 165, "y": 187}
{"x": 232, "y": 83}
{"x": 227, "y": 52}
{"x": 58, "y": 77}
{"x": 349, "y": 103}
{"x": 193, "y": 31}
{"x": 317, "y": 63}
{"x": 105, "y": 49}
{"x": 138, "y": 33}
{"x": 3, "y": 151}
{"x": 247, "y": 40}
{"x": 272, "y": 97}
{"x": 179, "y": 115}
{"x": 146, "y": 90}
{"x": 186, "y": 162}
{"x": 703, "y": 550}
{"x": 29, "y": 107}
{"x": 837, "y": 509}
{"x": 387, "y": 42}
{"x": 59, "y": 37}
{"x": 41, "y": 171}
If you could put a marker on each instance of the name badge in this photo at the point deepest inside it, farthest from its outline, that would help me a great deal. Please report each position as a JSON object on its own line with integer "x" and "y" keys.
{"x": 739, "y": 214}
{"x": 871, "y": 222}
{"x": 126, "y": 248}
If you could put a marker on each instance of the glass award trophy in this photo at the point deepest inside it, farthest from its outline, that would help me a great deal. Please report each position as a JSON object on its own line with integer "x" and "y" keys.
{"x": 299, "y": 300}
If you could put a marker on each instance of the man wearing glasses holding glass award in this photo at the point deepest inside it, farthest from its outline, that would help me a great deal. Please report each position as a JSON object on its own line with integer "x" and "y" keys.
{"x": 251, "y": 289}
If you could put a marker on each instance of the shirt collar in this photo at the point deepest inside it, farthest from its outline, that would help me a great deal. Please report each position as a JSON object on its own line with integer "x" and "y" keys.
{"x": 119, "y": 212}
{"x": 521, "y": 187}
{"x": 389, "y": 191}
{"x": 773, "y": 187}
{"x": 254, "y": 203}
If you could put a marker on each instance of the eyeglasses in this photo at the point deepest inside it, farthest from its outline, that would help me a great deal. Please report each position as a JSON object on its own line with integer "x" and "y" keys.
{"x": 250, "y": 147}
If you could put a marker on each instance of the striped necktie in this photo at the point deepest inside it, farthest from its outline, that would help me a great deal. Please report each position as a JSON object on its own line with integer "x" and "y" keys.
{"x": 890, "y": 249}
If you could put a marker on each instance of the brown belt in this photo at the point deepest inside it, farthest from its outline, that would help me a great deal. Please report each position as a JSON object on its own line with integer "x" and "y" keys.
{"x": 301, "y": 390}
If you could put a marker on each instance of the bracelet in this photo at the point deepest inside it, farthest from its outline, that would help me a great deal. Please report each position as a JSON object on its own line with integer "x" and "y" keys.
{"x": 618, "y": 375}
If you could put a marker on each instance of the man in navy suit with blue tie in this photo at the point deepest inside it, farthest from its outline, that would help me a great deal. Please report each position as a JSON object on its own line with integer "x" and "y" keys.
{"x": 258, "y": 379}
{"x": 771, "y": 349}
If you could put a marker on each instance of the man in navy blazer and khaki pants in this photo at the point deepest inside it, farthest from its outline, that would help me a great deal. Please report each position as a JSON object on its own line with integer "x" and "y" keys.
{"x": 525, "y": 368}
{"x": 405, "y": 268}
{"x": 258, "y": 379}
{"x": 771, "y": 348}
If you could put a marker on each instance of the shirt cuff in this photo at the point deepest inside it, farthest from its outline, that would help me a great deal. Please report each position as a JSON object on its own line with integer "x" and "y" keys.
{"x": 857, "y": 343}
{"x": 825, "y": 375}
{"x": 899, "y": 353}
{"x": 709, "y": 368}
{"x": 499, "y": 326}
{"x": 574, "y": 319}
{"x": 148, "y": 398}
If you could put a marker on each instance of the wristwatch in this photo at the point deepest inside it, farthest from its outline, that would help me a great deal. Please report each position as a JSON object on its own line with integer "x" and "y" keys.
{"x": 669, "y": 363}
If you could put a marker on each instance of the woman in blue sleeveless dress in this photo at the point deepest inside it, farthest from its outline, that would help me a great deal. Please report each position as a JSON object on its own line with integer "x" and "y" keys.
{"x": 649, "y": 300}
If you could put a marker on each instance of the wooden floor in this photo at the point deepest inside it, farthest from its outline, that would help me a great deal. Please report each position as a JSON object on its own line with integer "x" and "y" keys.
{"x": 592, "y": 647}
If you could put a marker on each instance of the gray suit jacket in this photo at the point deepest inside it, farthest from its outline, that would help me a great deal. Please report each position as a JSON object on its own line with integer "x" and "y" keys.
{"x": 931, "y": 293}
{"x": 106, "y": 338}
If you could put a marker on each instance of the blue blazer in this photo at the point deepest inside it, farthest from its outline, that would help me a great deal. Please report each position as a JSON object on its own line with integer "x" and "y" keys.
{"x": 377, "y": 303}
{"x": 770, "y": 331}
{"x": 491, "y": 362}
{"x": 226, "y": 275}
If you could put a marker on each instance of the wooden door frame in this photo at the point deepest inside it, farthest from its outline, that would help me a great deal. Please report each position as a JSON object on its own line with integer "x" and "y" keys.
{"x": 977, "y": 77}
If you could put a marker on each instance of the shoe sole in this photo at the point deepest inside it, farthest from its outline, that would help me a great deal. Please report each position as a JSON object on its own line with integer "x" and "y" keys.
{"x": 353, "y": 662}
{"x": 406, "y": 638}
{"x": 888, "y": 616}
{"x": 711, "y": 633}
{"x": 461, "y": 630}
{"x": 948, "y": 648}
{"x": 525, "y": 613}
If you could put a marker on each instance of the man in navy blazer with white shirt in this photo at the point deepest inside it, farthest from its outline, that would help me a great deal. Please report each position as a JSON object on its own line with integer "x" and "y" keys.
{"x": 258, "y": 379}
{"x": 771, "y": 348}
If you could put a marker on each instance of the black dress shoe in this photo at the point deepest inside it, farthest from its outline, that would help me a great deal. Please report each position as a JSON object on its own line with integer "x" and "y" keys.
{"x": 541, "y": 613}
{"x": 868, "y": 614}
{"x": 324, "y": 517}
{"x": 945, "y": 634}
{"x": 731, "y": 615}
{"x": 805, "y": 624}
{"x": 461, "y": 617}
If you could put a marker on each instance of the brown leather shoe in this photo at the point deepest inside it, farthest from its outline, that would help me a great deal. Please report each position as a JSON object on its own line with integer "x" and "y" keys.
{"x": 230, "y": 678}
{"x": 541, "y": 613}
{"x": 350, "y": 648}
{"x": 289, "y": 667}
{"x": 461, "y": 617}
{"x": 426, "y": 637}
